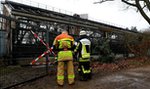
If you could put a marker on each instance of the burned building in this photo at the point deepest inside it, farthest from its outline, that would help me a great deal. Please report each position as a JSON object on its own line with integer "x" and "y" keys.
{"x": 19, "y": 19}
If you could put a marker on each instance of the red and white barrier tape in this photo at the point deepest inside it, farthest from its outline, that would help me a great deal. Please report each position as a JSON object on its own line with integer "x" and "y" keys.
{"x": 36, "y": 36}
{"x": 39, "y": 57}
{"x": 47, "y": 46}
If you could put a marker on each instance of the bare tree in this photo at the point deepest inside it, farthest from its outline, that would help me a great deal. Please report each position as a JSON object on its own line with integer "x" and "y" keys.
{"x": 143, "y": 6}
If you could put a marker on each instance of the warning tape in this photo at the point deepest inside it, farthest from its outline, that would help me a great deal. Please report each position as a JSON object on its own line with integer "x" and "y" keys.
{"x": 39, "y": 57}
{"x": 36, "y": 36}
{"x": 47, "y": 46}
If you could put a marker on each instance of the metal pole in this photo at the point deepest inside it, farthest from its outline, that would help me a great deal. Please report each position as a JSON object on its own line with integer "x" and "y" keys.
{"x": 47, "y": 56}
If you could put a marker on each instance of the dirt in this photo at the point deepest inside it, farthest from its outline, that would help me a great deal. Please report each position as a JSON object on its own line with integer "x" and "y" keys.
{"x": 131, "y": 78}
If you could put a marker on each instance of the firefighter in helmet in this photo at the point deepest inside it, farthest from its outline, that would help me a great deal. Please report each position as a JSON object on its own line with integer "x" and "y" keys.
{"x": 63, "y": 43}
{"x": 82, "y": 48}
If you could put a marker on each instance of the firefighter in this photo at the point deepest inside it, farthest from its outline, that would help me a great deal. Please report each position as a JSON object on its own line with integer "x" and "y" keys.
{"x": 82, "y": 49}
{"x": 63, "y": 43}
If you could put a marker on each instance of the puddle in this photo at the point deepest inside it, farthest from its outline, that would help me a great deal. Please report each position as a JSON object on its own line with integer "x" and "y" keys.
{"x": 135, "y": 74}
{"x": 115, "y": 78}
{"x": 119, "y": 78}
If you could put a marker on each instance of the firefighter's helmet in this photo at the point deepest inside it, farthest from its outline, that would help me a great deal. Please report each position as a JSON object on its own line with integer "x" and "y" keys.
{"x": 82, "y": 33}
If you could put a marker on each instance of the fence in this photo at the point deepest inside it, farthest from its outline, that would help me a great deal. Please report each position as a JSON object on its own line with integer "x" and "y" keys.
{"x": 17, "y": 70}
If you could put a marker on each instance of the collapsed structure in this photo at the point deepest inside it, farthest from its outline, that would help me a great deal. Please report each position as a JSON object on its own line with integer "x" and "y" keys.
{"x": 18, "y": 20}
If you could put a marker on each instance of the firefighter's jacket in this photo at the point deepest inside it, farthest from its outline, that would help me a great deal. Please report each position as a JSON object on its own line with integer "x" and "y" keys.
{"x": 83, "y": 46}
{"x": 64, "y": 44}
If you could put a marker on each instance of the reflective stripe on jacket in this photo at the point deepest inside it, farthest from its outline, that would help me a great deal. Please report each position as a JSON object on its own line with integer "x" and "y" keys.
{"x": 65, "y": 55}
{"x": 85, "y": 52}
{"x": 64, "y": 42}
{"x": 83, "y": 47}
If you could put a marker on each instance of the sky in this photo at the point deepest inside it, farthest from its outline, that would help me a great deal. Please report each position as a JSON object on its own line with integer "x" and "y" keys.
{"x": 113, "y": 13}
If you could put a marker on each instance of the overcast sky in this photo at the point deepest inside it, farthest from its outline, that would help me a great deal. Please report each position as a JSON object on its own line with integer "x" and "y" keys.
{"x": 111, "y": 12}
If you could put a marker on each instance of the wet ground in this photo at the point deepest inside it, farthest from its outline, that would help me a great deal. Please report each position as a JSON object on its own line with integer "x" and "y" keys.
{"x": 135, "y": 78}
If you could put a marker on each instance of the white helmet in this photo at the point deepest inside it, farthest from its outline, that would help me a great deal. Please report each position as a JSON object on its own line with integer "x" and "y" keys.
{"x": 82, "y": 33}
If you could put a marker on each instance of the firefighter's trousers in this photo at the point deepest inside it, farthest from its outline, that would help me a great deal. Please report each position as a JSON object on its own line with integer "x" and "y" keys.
{"x": 84, "y": 70}
{"x": 61, "y": 70}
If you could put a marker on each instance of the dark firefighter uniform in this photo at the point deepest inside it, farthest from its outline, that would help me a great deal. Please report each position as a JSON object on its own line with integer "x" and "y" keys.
{"x": 83, "y": 50}
{"x": 64, "y": 43}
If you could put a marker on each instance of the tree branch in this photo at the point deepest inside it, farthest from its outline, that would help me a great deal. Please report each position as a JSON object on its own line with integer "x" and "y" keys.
{"x": 131, "y": 4}
{"x": 101, "y": 1}
{"x": 141, "y": 11}
{"x": 135, "y": 3}
{"x": 147, "y": 3}
{"x": 144, "y": 6}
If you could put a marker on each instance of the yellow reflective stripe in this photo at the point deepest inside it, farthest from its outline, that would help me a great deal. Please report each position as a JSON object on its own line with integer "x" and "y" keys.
{"x": 85, "y": 71}
{"x": 65, "y": 55}
{"x": 77, "y": 47}
{"x": 65, "y": 43}
{"x": 67, "y": 39}
{"x": 84, "y": 52}
{"x": 60, "y": 77}
{"x": 71, "y": 76}
{"x": 86, "y": 55}
{"x": 84, "y": 60}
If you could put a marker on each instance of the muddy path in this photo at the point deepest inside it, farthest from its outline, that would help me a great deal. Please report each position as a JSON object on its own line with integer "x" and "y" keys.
{"x": 135, "y": 78}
